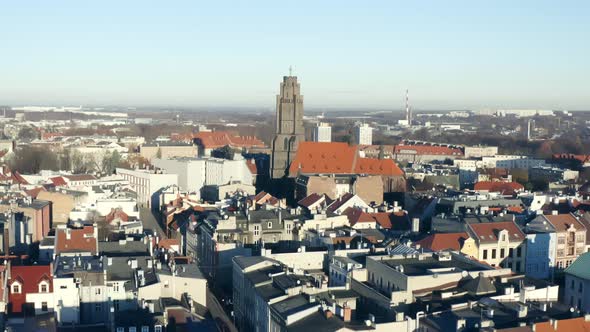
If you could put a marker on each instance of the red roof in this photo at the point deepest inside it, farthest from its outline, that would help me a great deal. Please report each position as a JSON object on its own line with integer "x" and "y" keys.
{"x": 427, "y": 150}
{"x": 18, "y": 178}
{"x": 506, "y": 188}
{"x": 443, "y": 241}
{"x": 583, "y": 158}
{"x": 58, "y": 181}
{"x": 34, "y": 192}
{"x": 488, "y": 231}
{"x": 310, "y": 200}
{"x": 338, "y": 158}
{"x": 252, "y": 166}
{"x": 79, "y": 240}
{"x": 562, "y": 222}
{"x": 578, "y": 324}
{"x": 217, "y": 139}
{"x": 29, "y": 277}
{"x": 116, "y": 214}
{"x": 168, "y": 243}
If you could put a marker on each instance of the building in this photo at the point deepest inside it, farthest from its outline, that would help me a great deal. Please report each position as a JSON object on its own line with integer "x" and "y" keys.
{"x": 500, "y": 244}
{"x": 552, "y": 174}
{"x": 289, "y": 127}
{"x": 146, "y": 183}
{"x": 208, "y": 141}
{"x": 571, "y": 237}
{"x": 322, "y": 132}
{"x": 75, "y": 242}
{"x": 425, "y": 153}
{"x": 195, "y": 173}
{"x": 577, "y": 284}
{"x": 502, "y": 187}
{"x": 30, "y": 290}
{"x": 541, "y": 242}
{"x": 511, "y": 161}
{"x": 166, "y": 150}
{"x": 480, "y": 151}
{"x": 363, "y": 134}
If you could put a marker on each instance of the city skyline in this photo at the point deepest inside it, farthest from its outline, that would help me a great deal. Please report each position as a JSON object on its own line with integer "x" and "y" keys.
{"x": 455, "y": 55}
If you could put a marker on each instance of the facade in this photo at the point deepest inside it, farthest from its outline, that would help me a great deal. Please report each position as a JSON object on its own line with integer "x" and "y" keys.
{"x": 541, "y": 242}
{"x": 363, "y": 134}
{"x": 322, "y": 132}
{"x": 480, "y": 151}
{"x": 163, "y": 150}
{"x": 552, "y": 174}
{"x": 500, "y": 244}
{"x": 511, "y": 161}
{"x": 289, "y": 127}
{"x": 195, "y": 173}
{"x": 577, "y": 284}
{"x": 146, "y": 183}
{"x": 571, "y": 238}
{"x": 30, "y": 289}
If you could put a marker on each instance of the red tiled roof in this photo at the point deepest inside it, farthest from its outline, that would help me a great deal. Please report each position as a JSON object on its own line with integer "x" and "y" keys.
{"x": 357, "y": 215}
{"x": 217, "y": 139}
{"x": 29, "y": 277}
{"x": 34, "y": 192}
{"x": 80, "y": 177}
{"x": 18, "y": 178}
{"x": 340, "y": 201}
{"x": 58, "y": 181}
{"x": 427, "y": 150}
{"x": 117, "y": 214}
{"x": 583, "y": 158}
{"x": 168, "y": 243}
{"x": 310, "y": 200}
{"x": 562, "y": 222}
{"x": 252, "y": 166}
{"x": 578, "y": 324}
{"x": 81, "y": 240}
{"x": 338, "y": 158}
{"x": 488, "y": 231}
{"x": 507, "y": 188}
{"x": 443, "y": 241}
{"x": 384, "y": 219}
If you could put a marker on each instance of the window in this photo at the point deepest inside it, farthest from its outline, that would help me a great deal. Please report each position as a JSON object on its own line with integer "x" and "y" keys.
{"x": 132, "y": 329}
{"x": 116, "y": 287}
{"x": 43, "y": 306}
{"x": 580, "y": 287}
{"x": 120, "y": 329}
{"x": 43, "y": 287}
{"x": 561, "y": 240}
{"x": 493, "y": 253}
{"x": 485, "y": 254}
{"x": 116, "y": 305}
{"x": 572, "y": 285}
{"x": 502, "y": 252}
{"x": 518, "y": 251}
{"x": 98, "y": 307}
{"x": 511, "y": 252}
{"x": 158, "y": 328}
{"x": 16, "y": 289}
{"x": 145, "y": 329}
{"x": 269, "y": 224}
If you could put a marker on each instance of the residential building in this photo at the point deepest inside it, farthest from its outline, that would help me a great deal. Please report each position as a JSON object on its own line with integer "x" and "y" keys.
{"x": 363, "y": 134}
{"x": 511, "y": 161}
{"x": 146, "y": 183}
{"x": 76, "y": 242}
{"x": 480, "y": 151}
{"x": 541, "y": 243}
{"x": 577, "y": 283}
{"x": 499, "y": 244}
{"x": 571, "y": 238}
{"x": 552, "y": 174}
{"x": 165, "y": 150}
{"x": 30, "y": 290}
{"x": 322, "y": 132}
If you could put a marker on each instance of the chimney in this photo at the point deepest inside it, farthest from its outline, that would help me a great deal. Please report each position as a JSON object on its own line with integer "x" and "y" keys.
{"x": 347, "y": 314}
{"x": 68, "y": 234}
{"x": 415, "y": 225}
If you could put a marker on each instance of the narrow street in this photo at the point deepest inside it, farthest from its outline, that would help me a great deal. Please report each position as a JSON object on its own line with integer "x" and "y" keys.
{"x": 222, "y": 320}
{"x": 150, "y": 222}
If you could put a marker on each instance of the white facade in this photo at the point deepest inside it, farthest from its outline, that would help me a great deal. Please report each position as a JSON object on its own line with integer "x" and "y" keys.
{"x": 511, "y": 161}
{"x": 194, "y": 173}
{"x": 363, "y": 134}
{"x": 322, "y": 132}
{"x": 146, "y": 182}
{"x": 480, "y": 151}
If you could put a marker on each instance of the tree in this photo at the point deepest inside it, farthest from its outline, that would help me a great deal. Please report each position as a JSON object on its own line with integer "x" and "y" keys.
{"x": 27, "y": 134}
{"x": 110, "y": 161}
{"x": 31, "y": 160}
{"x": 225, "y": 152}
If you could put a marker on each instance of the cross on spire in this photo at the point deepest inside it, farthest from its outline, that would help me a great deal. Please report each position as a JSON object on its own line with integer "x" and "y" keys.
{"x": 290, "y": 70}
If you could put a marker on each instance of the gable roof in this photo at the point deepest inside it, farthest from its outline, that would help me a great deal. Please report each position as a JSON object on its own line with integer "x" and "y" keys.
{"x": 30, "y": 276}
{"x": 562, "y": 222}
{"x": 217, "y": 139}
{"x": 444, "y": 241}
{"x": 488, "y": 231}
{"x": 58, "y": 181}
{"x": 578, "y": 324}
{"x": 80, "y": 240}
{"x": 338, "y": 158}
{"x": 310, "y": 200}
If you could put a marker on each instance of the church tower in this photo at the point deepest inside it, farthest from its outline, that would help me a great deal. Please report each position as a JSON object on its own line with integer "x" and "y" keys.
{"x": 289, "y": 127}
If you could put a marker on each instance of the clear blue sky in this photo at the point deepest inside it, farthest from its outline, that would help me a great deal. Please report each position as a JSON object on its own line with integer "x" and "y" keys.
{"x": 450, "y": 54}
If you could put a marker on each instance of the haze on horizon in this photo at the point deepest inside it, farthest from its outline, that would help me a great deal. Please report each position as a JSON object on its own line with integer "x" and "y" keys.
{"x": 450, "y": 55}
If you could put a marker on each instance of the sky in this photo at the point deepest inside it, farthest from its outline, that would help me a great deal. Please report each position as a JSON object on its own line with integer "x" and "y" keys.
{"x": 346, "y": 54}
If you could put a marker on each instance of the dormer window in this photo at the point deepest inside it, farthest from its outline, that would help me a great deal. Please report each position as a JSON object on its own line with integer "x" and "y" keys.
{"x": 16, "y": 289}
{"x": 43, "y": 287}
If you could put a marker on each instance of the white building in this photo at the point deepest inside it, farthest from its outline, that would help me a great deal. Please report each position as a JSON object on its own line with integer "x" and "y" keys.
{"x": 147, "y": 182}
{"x": 480, "y": 151}
{"x": 194, "y": 173}
{"x": 363, "y": 134}
{"x": 511, "y": 161}
{"x": 322, "y": 132}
